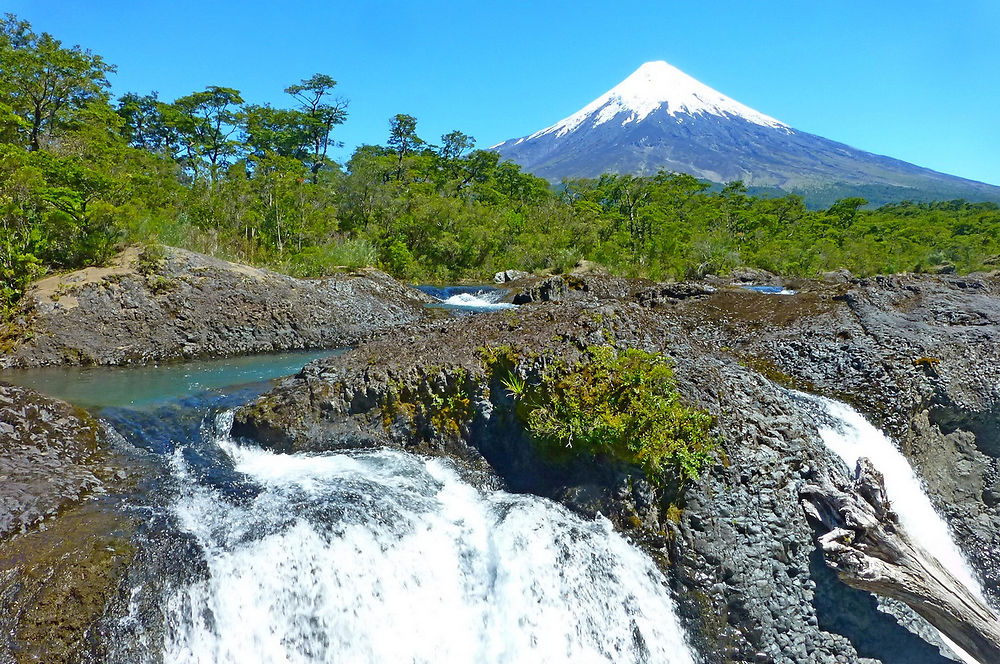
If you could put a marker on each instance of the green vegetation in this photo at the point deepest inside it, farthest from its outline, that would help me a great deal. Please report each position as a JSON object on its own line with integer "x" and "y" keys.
{"x": 622, "y": 405}
{"x": 82, "y": 174}
{"x": 428, "y": 410}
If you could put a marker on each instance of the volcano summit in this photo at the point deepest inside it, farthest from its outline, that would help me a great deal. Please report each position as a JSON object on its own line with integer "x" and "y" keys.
{"x": 661, "y": 118}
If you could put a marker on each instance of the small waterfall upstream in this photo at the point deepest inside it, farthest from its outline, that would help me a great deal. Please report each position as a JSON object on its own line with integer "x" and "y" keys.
{"x": 850, "y": 436}
{"x": 382, "y": 556}
{"x": 469, "y": 299}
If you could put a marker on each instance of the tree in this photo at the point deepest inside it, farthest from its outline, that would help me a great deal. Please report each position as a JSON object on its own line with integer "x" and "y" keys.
{"x": 321, "y": 116}
{"x": 144, "y": 126}
{"x": 454, "y": 144}
{"x": 205, "y": 123}
{"x": 44, "y": 83}
{"x": 403, "y": 139}
{"x": 18, "y": 263}
{"x": 846, "y": 210}
{"x": 279, "y": 131}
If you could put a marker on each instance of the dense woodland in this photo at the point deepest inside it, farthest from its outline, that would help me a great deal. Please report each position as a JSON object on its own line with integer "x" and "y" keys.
{"x": 83, "y": 174}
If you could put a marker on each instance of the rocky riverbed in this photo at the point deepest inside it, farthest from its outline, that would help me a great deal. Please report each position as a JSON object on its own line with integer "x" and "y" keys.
{"x": 918, "y": 356}
{"x": 64, "y": 548}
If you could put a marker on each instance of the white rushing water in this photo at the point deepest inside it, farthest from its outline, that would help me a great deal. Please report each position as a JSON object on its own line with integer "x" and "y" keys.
{"x": 387, "y": 557}
{"x": 477, "y": 301}
{"x": 850, "y": 436}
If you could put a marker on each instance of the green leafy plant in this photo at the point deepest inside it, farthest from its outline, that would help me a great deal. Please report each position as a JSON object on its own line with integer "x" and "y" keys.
{"x": 150, "y": 259}
{"x": 516, "y": 387}
{"x": 625, "y": 406}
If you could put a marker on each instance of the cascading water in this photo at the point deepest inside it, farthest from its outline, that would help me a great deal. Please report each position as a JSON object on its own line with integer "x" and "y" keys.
{"x": 850, "y": 436}
{"x": 381, "y": 556}
{"x": 476, "y": 299}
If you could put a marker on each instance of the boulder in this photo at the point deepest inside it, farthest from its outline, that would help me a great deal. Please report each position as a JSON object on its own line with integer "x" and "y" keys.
{"x": 509, "y": 275}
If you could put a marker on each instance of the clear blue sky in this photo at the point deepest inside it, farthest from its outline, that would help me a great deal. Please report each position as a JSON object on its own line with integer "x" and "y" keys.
{"x": 916, "y": 80}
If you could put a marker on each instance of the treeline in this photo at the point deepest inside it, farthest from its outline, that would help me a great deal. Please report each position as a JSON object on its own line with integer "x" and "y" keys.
{"x": 82, "y": 174}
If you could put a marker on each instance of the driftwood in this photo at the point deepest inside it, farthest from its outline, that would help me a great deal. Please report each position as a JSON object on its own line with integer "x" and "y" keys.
{"x": 870, "y": 551}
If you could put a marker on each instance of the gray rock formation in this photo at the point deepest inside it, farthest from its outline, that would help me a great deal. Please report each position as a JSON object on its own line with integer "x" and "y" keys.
{"x": 139, "y": 310}
{"x": 509, "y": 275}
{"x": 49, "y": 457}
{"x": 737, "y": 544}
{"x": 63, "y": 555}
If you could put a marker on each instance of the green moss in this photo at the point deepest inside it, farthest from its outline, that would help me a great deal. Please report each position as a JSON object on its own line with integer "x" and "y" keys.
{"x": 64, "y": 578}
{"x": 150, "y": 259}
{"x": 440, "y": 414}
{"x": 160, "y": 285}
{"x": 770, "y": 371}
{"x": 496, "y": 359}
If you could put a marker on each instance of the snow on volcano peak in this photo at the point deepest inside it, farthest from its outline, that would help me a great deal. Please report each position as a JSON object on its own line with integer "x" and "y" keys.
{"x": 652, "y": 86}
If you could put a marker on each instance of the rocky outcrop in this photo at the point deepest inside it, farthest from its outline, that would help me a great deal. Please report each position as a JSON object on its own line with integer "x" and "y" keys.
{"x": 870, "y": 551}
{"x": 150, "y": 306}
{"x": 49, "y": 457}
{"x": 737, "y": 544}
{"x": 918, "y": 355}
{"x": 63, "y": 554}
{"x": 509, "y": 275}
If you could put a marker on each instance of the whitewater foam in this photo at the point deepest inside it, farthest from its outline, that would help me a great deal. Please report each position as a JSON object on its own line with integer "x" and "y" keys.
{"x": 850, "y": 436}
{"x": 383, "y": 556}
{"x": 471, "y": 301}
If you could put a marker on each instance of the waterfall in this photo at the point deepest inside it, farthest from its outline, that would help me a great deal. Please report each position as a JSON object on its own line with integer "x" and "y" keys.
{"x": 468, "y": 298}
{"x": 382, "y": 556}
{"x": 850, "y": 436}
{"x": 482, "y": 301}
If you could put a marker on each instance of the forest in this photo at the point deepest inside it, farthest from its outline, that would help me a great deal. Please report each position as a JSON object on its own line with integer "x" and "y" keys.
{"x": 83, "y": 174}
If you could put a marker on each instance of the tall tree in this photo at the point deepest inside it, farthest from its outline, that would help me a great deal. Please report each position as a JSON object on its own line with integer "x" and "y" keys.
{"x": 454, "y": 144}
{"x": 205, "y": 123}
{"x": 846, "y": 210}
{"x": 281, "y": 131}
{"x": 44, "y": 83}
{"x": 403, "y": 139}
{"x": 322, "y": 113}
{"x": 144, "y": 124}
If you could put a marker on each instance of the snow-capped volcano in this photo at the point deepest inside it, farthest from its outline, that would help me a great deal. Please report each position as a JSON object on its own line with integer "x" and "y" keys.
{"x": 653, "y": 86}
{"x": 659, "y": 118}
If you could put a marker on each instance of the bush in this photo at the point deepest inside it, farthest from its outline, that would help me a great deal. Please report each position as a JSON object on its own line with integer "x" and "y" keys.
{"x": 624, "y": 406}
{"x": 326, "y": 259}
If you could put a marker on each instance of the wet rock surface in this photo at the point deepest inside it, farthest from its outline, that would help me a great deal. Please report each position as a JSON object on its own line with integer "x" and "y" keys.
{"x": 64, "y": 551}
{"x": 917, "y": 355}
{"x": 49, "y": 457}
{"x": 743, "y": 556}
{"x": 140, "y": 310}
{"x": 866, "y": 545}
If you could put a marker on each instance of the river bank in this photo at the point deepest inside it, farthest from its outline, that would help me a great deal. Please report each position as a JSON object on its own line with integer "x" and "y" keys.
{"x": 162, "y": 304}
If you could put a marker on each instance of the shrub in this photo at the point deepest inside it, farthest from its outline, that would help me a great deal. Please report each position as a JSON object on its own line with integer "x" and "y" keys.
{"x": 623, "y": 405}
{"x": 320, "y": 261}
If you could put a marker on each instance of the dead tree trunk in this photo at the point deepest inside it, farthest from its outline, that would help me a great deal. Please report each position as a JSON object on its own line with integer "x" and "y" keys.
{"x": 870, "y": 551}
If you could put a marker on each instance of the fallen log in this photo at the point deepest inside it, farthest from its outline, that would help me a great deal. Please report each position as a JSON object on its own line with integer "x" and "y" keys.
{"x": 868, "y": 548}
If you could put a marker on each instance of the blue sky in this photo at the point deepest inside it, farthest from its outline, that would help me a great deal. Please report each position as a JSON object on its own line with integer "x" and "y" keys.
{"x": 917, "y": 80}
